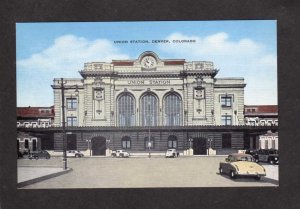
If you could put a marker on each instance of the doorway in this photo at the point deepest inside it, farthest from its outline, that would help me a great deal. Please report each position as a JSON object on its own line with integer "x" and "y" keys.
{"x": 199, "y": 146}
{"x": 98, "y": 145}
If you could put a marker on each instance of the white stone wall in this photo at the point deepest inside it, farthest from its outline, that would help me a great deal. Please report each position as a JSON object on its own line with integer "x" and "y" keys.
{"x": 268, "y": 142}
{"x": 164, "y": 79}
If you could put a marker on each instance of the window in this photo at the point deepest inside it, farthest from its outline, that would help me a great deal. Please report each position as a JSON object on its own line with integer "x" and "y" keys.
{"x": 72, "y": 121}
{"x": 226, "y": 120}
{"x": 266, "y": 144}
{"x": 172, "y": 142}
{"x": 126, "y": 142}
{"x": 226, "y": 140}
{"x": 71, "y": 103}
{"x": 276, "y": 122}
{"x": 34, "y": 144}
{"x": 126, "y": 107}
{"x": 273, "y": 144}
{"x": 269, "y": 123}
{"x": 263, "y": 122}
{"x": 26, "y": 144}
{"x": 151, "y": 143}
{"x": 172, "y": 110}
{"x": 149, "y": 111}
{"x": 226, "y": 101}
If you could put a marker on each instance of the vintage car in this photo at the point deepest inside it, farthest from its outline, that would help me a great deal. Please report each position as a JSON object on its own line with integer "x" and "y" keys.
{"x": 172, "y": 153}
{"x": 251, "y": 152}
{"x": 237, "y": 164}
{"x": 39, "y": 154}
{"x": 120, "y": 153}
{"x": 267, "y": 155}
{"x": 74, "y": 153}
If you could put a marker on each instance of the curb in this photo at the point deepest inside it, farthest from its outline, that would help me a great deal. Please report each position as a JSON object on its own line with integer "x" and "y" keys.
{"x": 42, "y": 178}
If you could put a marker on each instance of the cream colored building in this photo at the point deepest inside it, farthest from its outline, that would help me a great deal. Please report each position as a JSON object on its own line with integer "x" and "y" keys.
{"x": 150, "y": 104}
{"x": 150, "y": 90}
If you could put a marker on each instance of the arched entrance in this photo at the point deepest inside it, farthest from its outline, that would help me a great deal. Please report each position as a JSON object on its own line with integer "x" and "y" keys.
{"x": 98, "y": 145}
{"x": 199, "y": 146}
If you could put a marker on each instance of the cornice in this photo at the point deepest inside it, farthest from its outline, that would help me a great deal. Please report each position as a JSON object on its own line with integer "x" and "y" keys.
{"x": 147, "y": 74}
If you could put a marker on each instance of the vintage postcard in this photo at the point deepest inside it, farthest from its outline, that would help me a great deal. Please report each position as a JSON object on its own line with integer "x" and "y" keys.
{"x": 150, "y": 104}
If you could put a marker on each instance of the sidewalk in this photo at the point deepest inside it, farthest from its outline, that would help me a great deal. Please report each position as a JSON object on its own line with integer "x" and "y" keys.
{"x": 33, "y": 174}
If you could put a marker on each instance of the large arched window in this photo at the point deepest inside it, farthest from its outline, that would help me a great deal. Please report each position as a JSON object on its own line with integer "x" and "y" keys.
{"x": 173, "y": 110}
{"x": 149, "y": 111}
{"x": 126, "y": 109}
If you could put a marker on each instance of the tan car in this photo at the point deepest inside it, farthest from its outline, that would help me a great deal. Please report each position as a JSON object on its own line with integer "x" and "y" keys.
{"x": 241, "y": 165}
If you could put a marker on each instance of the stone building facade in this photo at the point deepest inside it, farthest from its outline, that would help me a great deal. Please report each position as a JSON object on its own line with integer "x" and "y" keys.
{"x": 33, "y": 117}
{"x": 150, "y": 90}
{"x": 179, "y": 104}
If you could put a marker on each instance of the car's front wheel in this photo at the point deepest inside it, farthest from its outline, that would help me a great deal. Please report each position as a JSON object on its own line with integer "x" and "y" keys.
{"x": 232, "y": 175}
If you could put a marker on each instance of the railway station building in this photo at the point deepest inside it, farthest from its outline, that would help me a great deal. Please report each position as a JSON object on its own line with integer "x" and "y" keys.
{"x": 150, "y": 104}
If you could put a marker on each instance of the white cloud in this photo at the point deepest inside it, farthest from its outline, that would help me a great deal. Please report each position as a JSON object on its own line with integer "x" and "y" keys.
{"x": 240, "y": 58}
{"x": 64, "y": 58}
{"x": 69, "y": 52}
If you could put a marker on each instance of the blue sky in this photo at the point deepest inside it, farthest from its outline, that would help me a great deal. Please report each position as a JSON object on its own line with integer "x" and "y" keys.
{"x": 238, "y": 49}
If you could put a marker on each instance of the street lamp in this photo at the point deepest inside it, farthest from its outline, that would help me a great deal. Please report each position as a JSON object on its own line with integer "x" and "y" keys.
{"x": 149, "y": 142}
{"x": 62, "y": 88}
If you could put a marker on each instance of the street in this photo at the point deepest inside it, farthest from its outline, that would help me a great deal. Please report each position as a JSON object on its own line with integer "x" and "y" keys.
{"x": 143, "y": 172}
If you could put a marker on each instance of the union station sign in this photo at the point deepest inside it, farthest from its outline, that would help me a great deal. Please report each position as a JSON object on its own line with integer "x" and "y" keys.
{"x": 149, "y": 82}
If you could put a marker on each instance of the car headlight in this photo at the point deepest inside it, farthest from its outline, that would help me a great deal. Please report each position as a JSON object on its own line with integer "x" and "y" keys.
{"x": 275, "y": 158}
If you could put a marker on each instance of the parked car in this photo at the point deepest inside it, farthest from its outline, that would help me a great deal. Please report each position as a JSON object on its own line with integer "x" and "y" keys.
{"x": 172, "y": 153}
{"x": 120, "y": 153}
{"x": 251, "y": 152}
{"x": 39, "y": 154}
{"x": 238, "y": 164}
{"x": 267, "y": 155}
{"x": 24, "y": 151}
{"x": 74, "y": 153}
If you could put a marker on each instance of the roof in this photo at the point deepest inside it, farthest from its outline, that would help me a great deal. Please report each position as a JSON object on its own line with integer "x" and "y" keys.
{"x": 270, "y": 133}
{"x": 261, "y": 109}
{"x": 35, "y": 112}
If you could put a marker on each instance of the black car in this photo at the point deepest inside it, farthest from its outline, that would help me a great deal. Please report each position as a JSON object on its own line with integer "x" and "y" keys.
{"x": 267, "y": 155}
{"x": 39, "y": 154}
{"x": 251, "y": 152}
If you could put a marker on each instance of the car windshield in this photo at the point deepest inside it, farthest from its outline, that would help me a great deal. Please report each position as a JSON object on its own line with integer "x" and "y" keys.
{"x": 244, "y": 158}
{"x": 273, "y": 152}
